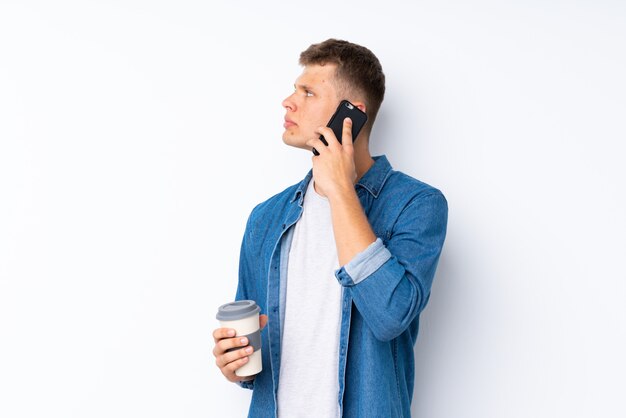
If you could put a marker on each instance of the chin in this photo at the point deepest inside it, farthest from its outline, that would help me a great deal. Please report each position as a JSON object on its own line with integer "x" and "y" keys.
{"x": 291, "y": 139}
{"x": 295, "y": 142}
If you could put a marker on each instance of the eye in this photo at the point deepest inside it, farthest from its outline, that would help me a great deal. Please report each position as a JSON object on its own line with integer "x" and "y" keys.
{"x": 308, "y": 93}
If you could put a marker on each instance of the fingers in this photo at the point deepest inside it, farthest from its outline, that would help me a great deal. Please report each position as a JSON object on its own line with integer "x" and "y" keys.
{"x": 317, "y": 145}
{"x": 330, "y": 139}
{"x": 226, "y": 359}
{"x": 229, "y": 361}
{"x": 346, "y": 135}
{"x": 229, "y": 370}
{"x": 228, "y": 343}
{"x": 221, "y": 333}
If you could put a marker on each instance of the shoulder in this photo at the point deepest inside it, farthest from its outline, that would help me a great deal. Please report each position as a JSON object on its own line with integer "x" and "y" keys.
{"x": 267, "y": 217}
{"x": 274, "y": 209}
{"x": 413, "y": 205}
{"x": 389, "y": 186}
{"x": 401, "y": 186}
{"x": 276, "y": 203}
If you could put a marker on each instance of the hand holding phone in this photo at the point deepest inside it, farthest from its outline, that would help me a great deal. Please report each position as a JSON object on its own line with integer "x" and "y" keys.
{"x": 345, "y": 110}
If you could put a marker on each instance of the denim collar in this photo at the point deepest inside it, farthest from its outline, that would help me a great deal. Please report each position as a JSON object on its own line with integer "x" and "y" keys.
{"x": 373, "y": 180}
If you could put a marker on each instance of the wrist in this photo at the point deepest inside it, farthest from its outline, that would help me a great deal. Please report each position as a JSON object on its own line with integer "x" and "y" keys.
{"x": 341, "y": 193}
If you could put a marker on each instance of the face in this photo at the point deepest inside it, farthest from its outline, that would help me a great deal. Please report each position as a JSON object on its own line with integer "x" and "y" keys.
{"x": 311, "y": 105}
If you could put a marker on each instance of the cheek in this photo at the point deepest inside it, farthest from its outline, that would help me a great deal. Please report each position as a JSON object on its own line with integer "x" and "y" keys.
{"x": 305, "y": 121}
{"x": 314, "y": 120}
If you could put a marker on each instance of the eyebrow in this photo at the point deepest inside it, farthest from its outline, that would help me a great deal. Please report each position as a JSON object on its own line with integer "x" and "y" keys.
{"x": 303, "y": 87}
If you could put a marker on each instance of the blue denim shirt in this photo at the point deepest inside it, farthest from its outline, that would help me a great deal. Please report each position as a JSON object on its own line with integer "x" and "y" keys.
{"x": 384, "y": 289}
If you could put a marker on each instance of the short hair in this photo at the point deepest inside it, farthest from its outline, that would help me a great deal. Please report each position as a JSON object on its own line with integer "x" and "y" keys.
{"x": 357, "y": 68}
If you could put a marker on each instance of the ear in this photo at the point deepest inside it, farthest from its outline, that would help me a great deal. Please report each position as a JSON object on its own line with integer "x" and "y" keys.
{"x": 360, "y": 105}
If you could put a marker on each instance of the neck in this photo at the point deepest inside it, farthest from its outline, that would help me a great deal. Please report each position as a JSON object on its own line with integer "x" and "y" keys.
{"x": 362, "y": 157}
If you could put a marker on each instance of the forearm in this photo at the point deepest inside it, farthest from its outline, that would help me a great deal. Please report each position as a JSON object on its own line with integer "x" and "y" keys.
{"x": 390, "y": 282}
{"x": 388, "y": 299}
{"x": 352, "y": 230}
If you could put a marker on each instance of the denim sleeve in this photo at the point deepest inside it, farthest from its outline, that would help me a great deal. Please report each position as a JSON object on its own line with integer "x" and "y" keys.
{"x": 248, "y": 384}
{"x": 368, "y": 261}
{"x": 390, "y": 284}
{"x": 243, "y": 287}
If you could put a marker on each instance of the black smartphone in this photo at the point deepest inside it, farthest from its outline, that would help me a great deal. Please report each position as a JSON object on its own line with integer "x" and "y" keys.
{"x": 345, "y": 110}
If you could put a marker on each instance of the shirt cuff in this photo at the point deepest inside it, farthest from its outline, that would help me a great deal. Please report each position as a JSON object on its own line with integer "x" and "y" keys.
{"x": 363, "y": 264}
{"x": 246, "y": 384}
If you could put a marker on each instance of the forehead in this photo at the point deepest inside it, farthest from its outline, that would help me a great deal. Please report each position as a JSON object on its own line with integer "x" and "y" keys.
{"x": 318, "y": 76}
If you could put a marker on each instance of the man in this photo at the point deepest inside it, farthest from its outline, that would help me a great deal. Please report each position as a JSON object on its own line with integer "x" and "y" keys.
{"x": 342, "y": 263}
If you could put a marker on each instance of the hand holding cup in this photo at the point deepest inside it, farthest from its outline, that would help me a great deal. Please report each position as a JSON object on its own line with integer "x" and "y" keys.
{"x": 237, "y": 348}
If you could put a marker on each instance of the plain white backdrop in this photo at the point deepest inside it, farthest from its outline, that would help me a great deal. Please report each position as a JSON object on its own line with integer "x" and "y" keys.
{"x": 136, "y": 136}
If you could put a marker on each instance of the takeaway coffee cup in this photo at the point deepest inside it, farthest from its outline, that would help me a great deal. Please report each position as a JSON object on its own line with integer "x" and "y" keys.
{"x": 243, "y": 317}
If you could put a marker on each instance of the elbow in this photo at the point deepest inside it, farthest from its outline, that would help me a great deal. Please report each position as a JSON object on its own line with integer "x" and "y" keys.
{"x": 390, "y": 301}
{"x": 387, "y": 334}
{"x": 394, "y": 320}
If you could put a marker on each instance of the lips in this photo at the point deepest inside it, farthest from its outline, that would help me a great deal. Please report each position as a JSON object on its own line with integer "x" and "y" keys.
{"x": 289, "y": 123}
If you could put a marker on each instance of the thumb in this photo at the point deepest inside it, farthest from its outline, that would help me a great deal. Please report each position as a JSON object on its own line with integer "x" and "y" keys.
{"x": 262, "y": 321}
{"x": 346, "y": 134}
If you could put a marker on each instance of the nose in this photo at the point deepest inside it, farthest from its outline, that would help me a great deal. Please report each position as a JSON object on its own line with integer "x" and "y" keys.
{"x": 289, "y": 104}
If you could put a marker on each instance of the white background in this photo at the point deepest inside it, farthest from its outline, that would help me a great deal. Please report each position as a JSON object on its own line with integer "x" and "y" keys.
{"x": 136, "y": 136}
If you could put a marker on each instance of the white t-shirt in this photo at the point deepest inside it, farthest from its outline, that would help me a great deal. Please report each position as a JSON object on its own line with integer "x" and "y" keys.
{"x": 308, "y": 384}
